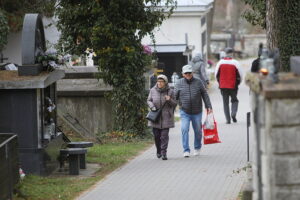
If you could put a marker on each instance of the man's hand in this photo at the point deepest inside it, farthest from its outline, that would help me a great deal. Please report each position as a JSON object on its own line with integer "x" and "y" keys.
{"x": 209, "y": 110}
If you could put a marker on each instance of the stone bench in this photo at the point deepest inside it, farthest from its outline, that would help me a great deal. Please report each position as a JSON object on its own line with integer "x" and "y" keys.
{"x": 81, "y": 156}
{"x": 74, "y": 155}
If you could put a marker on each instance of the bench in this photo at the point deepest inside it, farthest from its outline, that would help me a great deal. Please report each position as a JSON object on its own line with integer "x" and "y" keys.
{"x": 81, "y": 156}
{"x": 74, "y": 155}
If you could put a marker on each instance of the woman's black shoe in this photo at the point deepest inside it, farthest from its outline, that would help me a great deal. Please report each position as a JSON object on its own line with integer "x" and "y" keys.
{"x": 164, "y": 157}
{"x": 158, "y": 155}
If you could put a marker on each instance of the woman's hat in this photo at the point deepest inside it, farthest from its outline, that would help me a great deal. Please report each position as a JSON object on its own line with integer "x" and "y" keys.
{"x": 161, "y": 76}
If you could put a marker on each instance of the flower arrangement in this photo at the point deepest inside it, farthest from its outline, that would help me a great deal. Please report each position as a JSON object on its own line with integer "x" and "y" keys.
{"x": 51, "y": 59}
{"x": 89, "y": 54}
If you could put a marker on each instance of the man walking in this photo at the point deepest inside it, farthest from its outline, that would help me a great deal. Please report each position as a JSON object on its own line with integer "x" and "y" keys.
{"x": 229, "y": 76}
{"x": 189, "y": 92}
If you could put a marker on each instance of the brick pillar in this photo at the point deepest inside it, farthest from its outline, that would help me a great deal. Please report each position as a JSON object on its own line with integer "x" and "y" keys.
{"x": 276, "y": 112}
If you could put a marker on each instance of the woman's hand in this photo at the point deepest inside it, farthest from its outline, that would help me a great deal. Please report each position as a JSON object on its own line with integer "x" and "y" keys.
{"x": 167, "y": 98}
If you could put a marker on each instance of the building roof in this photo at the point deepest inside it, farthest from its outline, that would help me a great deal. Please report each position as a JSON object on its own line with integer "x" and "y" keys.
{"x": 171, "y": 48}
{"x": 193, "y": 5}
{"x": 194, "y": 2}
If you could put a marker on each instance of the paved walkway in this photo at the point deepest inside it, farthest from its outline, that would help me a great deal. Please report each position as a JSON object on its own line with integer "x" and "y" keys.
{"x": 209, "y": 176}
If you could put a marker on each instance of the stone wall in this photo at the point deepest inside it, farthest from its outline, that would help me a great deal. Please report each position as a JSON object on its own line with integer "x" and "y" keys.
{"x": 84, "y": 98}
{"x": 93, "y": 112}
{"x": 276, "y": 111}
{"x": 251, "y": 43}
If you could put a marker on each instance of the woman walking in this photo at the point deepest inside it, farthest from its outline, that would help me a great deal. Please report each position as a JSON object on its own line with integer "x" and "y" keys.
{"x": 161, "y": 93}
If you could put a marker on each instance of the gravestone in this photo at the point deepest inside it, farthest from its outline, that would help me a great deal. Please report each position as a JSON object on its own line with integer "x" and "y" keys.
{"x": 28, "y": 103}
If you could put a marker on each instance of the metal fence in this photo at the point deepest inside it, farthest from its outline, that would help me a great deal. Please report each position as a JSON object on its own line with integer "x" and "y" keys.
{"x": 9, "y": 165}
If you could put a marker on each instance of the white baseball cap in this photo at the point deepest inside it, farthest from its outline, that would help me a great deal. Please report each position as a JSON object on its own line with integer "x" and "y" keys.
{"x": 187, "y": 68}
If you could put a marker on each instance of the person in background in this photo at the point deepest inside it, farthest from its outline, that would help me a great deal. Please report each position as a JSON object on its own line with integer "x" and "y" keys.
{"x": 199, "y": 69}
{"x": 222, "y": 55}
{"x": 153, "y": 79}
{"x": 190, "y": 92}
{"x": 255, "y": 63}
{"x": 229, "y": 76}
{"x": 158, "y": 95}
{"x": 174, "y": 78}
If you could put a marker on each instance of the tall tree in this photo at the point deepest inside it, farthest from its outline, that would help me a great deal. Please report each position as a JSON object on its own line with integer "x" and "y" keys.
{"x": 282, "y": 22}
{"x": 210, "y": 17}
{"x": 114, "y": 29}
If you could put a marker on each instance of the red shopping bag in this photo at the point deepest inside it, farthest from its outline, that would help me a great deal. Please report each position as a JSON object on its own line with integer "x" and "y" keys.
{"x": 211, "y": 135}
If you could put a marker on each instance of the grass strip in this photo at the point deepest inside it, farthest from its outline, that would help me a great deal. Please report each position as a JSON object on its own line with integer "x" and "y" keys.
{"x": 110, "y": 156}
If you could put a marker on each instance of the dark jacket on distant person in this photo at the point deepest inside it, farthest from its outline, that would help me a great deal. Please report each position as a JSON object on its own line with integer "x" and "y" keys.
{"x": 255, "y": 65}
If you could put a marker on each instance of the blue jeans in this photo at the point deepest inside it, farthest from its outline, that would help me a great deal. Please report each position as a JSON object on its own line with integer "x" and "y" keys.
{"x": 185, "y": 127}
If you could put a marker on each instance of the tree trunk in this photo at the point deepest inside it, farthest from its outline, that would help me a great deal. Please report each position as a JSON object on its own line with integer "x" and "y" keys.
{"x": 271, "y": 24}
{"x": 283, "y": 29}
{"x": 210, "y": 16}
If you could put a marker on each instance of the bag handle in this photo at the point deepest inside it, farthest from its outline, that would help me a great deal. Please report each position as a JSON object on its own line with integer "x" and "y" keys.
{"x": 212, "y": 115}
{"x": 166, "y": 100}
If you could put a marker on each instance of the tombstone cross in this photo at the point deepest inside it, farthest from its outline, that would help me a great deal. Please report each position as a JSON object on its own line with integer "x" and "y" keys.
{"x": 33, "y": 44}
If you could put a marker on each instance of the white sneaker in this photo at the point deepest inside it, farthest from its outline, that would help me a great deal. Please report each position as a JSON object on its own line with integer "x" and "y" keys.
{"x": 197, "y": 152}
{"x": 186, "y": 154}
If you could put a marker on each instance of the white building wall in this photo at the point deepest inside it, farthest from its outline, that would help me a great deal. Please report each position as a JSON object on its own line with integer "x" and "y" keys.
{"x": 173, "y": 30}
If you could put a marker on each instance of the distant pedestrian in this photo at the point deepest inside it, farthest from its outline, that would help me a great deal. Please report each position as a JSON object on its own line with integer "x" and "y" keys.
{"x": 256, "y": 62}
{"x": 174, "y": 78}
{"x": 153, "y": 79}
{"x": 229, "y": 76}
{"x": 222, "y": 55}
{"x": 190, "y": 92}
{"x": 158, "y": 95}
{"x": 199, "y": 68}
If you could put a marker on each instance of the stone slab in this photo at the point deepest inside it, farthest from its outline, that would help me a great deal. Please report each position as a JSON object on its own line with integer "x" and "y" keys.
{"x": 11, "y": 79}
{"x": 287, "y": 170}
{"x": 288, "y": 86}
{"x": 285, "y": 112}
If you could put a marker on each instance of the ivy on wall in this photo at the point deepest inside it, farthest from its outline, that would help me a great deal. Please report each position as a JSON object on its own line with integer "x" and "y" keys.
{"x": 114, "y": 29}
{"x": 3, "y": 30}
{"x": 288, "y": 33}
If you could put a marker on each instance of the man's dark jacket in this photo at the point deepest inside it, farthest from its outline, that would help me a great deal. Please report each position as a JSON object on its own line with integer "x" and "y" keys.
{"x": 190, "y": 93}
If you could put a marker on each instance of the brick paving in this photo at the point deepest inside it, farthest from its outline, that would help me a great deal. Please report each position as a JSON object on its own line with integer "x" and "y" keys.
{"x": 209, "y": 176}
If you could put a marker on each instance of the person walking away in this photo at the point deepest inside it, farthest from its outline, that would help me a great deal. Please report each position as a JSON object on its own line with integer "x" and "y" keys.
{"x": 199, "y": 68}
{"x": 255, "y": 63}
{"x": 153, "y": 79}
{"x": 190, "y": 92}
{"x": 229, "y": 76}
{"x": 158, "y": 95}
